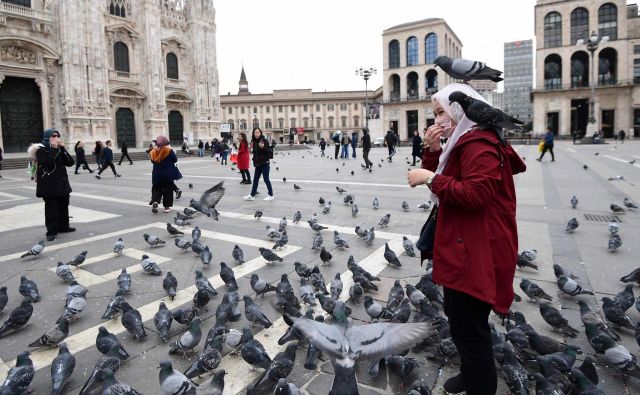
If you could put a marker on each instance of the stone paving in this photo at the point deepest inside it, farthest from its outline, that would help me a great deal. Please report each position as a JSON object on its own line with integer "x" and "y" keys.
{"x": 106, "y": 209}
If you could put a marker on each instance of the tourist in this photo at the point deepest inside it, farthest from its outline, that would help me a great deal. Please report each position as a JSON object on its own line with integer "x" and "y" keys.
{"x": 124, "y": 153}
{"x": 243, "y": 158}
{"x": 345, "y": 141}
{"x": 548, "y": 145}
{"x": 366, "y": 147}
{"x": 163, "y": 175}
{"x": 323, "y": 145}
{"x": 81, "y": 159}
{"x": 200, "y": 148}
{"x": 390, "y": 140}
{"x": 354, "y": 144}
{"x": 107, "y": 160}
{"x": 262, "y": 153}
{"x": 416, "y": 146}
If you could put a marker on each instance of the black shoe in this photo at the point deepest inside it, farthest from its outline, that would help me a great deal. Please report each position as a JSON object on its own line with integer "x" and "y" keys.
{"x": 539, "y": 160}
{"x": 119, "y": 164}
{"x": 118, "y": 175}
{"x": 91, "y": 171}
{"x": 454, "y": 385}
{"x": 178, "y": 194}
{"x": 76, "y": 173}
{"x": 243, "y": 182}
{"x": 154, "y": 208}
{"x": 130, "y": 163}
{"x": 67, "y": 230}
{"x": 51, "y": 237}
{"x": 98, "y": 176}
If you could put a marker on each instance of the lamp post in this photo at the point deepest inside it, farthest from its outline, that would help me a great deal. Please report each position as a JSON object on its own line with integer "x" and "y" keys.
{"x": 366, "y": 74}
{"x": 592, "y": 46}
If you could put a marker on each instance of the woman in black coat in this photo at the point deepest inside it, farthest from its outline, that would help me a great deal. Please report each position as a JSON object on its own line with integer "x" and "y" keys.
{"x": 52, "y": 182}
{"x": 416, "y": 150}
{"x": 81, "y": 160}
{"x": 262, "y": 153}
{"x": 163, "y": 175}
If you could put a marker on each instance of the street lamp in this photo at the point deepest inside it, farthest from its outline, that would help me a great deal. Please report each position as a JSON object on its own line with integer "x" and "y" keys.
{"x": 366, "y": 74}
{"x": 592, "y": 46}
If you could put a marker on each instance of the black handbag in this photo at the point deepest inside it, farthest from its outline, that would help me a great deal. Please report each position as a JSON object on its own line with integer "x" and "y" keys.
{"x": 428, "y": 233}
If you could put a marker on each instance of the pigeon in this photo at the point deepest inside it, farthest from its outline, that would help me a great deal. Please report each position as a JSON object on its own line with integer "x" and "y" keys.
{"x": 408, "y": 246}
{"x": 184, "y": 315}
{"x": 257, "y": 214}
{"x": 284, "y": 179}
{"x": 182, "y": 244}
{"x": 209, "y": 200}
{"x": 484, "y": 114}
{"x": 425, "y": 206}
{"x": 327, "y": 208}
{"x": 282, "y": 225}
{"x": 269, "y": 256}
{"x": 253, "y": 352}
{"x": 348, "y": 199}
{"x": 325, "y": 256}
{"x": 132, "y": 321}
{"x": 254, "y": 313}
{"x": 153, "y": 241}
{"x": 259, "y": 286}
{"x": 285, "y": 388}
{"x": 625, "y": 298}
{"x": 64, "y": 272}
{"x": 53, "y": 336}
{"x": 173, "y": 231}
{"x": 590, "y": 318}
{"x": 553, "y": 317}
{"x": 181, "y": 222}
{"x": 203, "y": 284}
{"x": 113, "y": 386}
{"x": 201, "y": 299}
{"x": 170, "y": 285}
{"x": 356, "y": 292}
{"x": 522, "y": 263}
{"x": 345, "y": 344}
{"x": 208, "y": 360}
{"x": 340, "y": 190}
{"x": 401, "y": 366}
{"x": 110, "y": 360}
{"x": 585, "y": 167}
{"x": 361, "y": 231}
{"x": 316, "y": 226}
{"x": 570, "y": 286}
{"x": 173, "y": 382}
{"x": 162, "y": 321}
{"x": 105, "y": 341}
{"x": 297, "y": 217}
{"x": 376, "y": 311}
{"x": 74, "y": 290}
{"x": 376, "y": 203}
{"x": 618, "y": 357}
{"x": 574, "y": 202}
{"x": 205, "y": 257}
{"x": 615, "y": 242}
{"x": 613, "y": 228}
{"x": 282, "y": 241}
{"x": 226, "y": 274}
{"x": 198, "y": 248}
{"x": 560, "y": 271}
{"x": 35, "y": 250}
{"x": 20, "y": 376}
{"x": 189, "y": 340}
{"x": 533, "y": 291}
{"x": 302, "y": 270}
{"x": 370, "y": 236}
{"x": 62, "y": 367}
{"x": 629, "y": 204}
{"x": 615, "y": 314}
{"x": 391, "y": 257}
{"x": 29, "y": 289}
{"x": 183, "y": 217}
{"x": 150, "y": 266}
{"x": 463, "y": 69}
{"x": 415, "y": 295}
{"x": 74, "y": 308}
{"x": 271, "y": 233}
{"x": 4, "y": 298}
{"x": 405, "y": 206}
{"x": 633, "y": 277}
{"x": 616, "y": 209}
{"x": 317, "y": 241}
{"x": 307, "y": 293}
{"x": 384, "y": 221}
{"x": 317, "y": 280}
{"x": 336, "y": 286}
{"x": 238, "y": 255}
{"x": 296, "y": 187}
{"x": 118, "y": 247}
{"x": 396, "y": 295}
{"x": 339, "y": 241}
{"x": 78, "y": 259}
{"x": 354, "y": 210}
{"x": 124, "y": 281}
{"x": 215, "y": 386}
{"x": 321, "y": 201}
{"x": 514, "y": 374}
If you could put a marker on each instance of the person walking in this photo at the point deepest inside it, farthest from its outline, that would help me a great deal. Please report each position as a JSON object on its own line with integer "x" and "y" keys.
{"x": 52, "y": 182}
{"x": 124, "y": 153}
{"x": 81, "y": 159}
{"x": 548, "y": 145}
{"x": 621, "y": 136}
{"x": 224, "y": 152}
{"x": 262, "y": 153}
{"x": 336, "y": 142}
{"x": 366, "y": 147}
{"x": 354, "y": 144}
{"x": 200, "y": 148}
{"x": 416, "y": 146}
{"x": 107, "y": 160}
{"x": 97, "y": 153}
{"x": 345, "y": 141}
{"x": 164, "y": 174}
{"x": 323, "y": 145}
{"x": 470, "y": 180}
{"x": 243, "y": 158}
{"x": 390, "y": 140}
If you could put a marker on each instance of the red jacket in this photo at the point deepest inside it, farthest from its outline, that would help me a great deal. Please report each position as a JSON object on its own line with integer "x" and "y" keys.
{"x": 243, "y": 156}
{"x": 476, "y": 241}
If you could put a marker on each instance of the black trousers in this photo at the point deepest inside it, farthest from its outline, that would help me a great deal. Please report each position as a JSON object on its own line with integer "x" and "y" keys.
{"x": 468, "y": 320}
{"x": 547, "y": 147}
{"x": 162, "y": 193}
{"x": 337, "y": 151}
{"x": 246, "y": 176}
{"x": 104, "y": 167}
{"x": 84, "y": 165}
{"x": 392, "y": 151}
{"x": 365, "y": 156}
{"x": 125, "y": 155}
{"x": 56, "y": 214}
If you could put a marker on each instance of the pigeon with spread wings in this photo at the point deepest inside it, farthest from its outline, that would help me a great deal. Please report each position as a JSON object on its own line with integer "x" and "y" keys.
{"x": 209, "y": 200}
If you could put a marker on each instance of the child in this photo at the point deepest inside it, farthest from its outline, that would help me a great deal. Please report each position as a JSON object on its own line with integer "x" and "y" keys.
{"x": 323, "y": 145}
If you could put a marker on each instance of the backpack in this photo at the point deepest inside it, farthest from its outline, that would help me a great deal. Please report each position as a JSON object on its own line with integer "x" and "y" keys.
{"x": 336, "y": 138}
{"x": 32, "y": 167}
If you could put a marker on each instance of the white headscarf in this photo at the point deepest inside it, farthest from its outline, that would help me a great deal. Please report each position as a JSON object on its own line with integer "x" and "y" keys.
{"x": 463, "y": 124}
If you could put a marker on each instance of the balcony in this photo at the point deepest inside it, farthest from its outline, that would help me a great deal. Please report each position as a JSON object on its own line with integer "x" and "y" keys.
{"x": 395, "y": 97}
{"x": 31, "y": 14}
{"x": 123, "y": 76}
{"x": 602, "y": 84}
{"x": 175, "y": 83}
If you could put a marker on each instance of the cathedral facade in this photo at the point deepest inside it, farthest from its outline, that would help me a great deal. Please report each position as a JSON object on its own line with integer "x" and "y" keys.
{"x": 119, "y": 70}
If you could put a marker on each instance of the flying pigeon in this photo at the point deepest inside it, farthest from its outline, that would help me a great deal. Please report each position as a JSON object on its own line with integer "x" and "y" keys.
{"x": 35, "y": 250}
{"x": 153, "y": 240}
{"x": 484, "y": 114}
{"x": 209, "y": 200}
{"x": 463, "y": 69}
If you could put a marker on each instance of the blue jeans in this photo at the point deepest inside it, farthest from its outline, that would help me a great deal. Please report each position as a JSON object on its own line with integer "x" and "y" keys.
{"x": 200, "y": 151}
{"x": 223, "y": 160}
{"x": 345, "y": 151}
{"x": 261, "y": 171}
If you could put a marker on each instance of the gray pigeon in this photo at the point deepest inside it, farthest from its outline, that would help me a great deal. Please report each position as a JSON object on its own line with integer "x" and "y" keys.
{"x": 285, "y": 388}
{"x": 356, "y": 292}
{"x": 162, "y": 321}
{"x": 340, "y": 190}
{"x": 316, "y": 226}
{"x": 150, "y": 266}
{"x": 203, "y": 284}
{"x": 170, "y": 285}
{"x": 132, "y": 321}
{"x": 463, "y": 69}
{"x": 215, "y": 386}
{"x": 20, "y": 376}
{"x": 339, "y": 241}
{"x": 254, "y": 313}
{"x": 307, "y": 292}
{"x": 325, "y": 256}
{"x": 53, "y": 336}
{"x": 271, "y": 233}
{"x": 415, "y": 295}
{"x": 629, "y": 204}
{"x": 184, "y": 315}
{"x": 118, "y": 247}
{"x": 384, "y": 221}
{"x": 615, "y": 242}
{"x": 376, "y": 203}
{"x": 371, "y": 235}
{"x": 173, "y": 231}
{"x": 361, "y": 231}
{"x": 376, "y": 311}
{"x": 173, "y": 382}
{"x": 78, "y": 259}
{"x": 153, "y": 240}
{"x": 282, "y": 241}
{"x": 197, "y": 248}
{"x": 62, "y": 367}
{"x": 396, "y": 295}
{"x": 257, "y": 214}
{"x": 189, "y": 340}
{"x": 29, "y": 289}
{"x": 74, "y": 308}
{"x": 105, "y": 340}
{"x": 484, "y": 114}
{"x": 4, "y": 298}
{"x": 391, "y": 257}
{"x": 570, "y": 286}
{"x": 408, "y": 246}
{"x": 554, "y": 318}
{"x": 113, "y": 386}
{"x": 64, "y": 272}
{"x": 327, "y": 208}
{"x": 124, "y": 281}
{"x": 279, "y": 368}
{"x": 205, "y": 257}
{"x": 574, "y": 201}
{"x": 282, "y": 225}
{"x": 226, "y": 274}
{"x": 111, "y": 361}
{"x": 35, "y": 250}
{"x": 425, "y": 206}
{"x": 405, "y": 206}
{"x": 182, "y": 217}
{"x": 269, "y": 256}
{"x": 616, "y": 209}
{"x": 238, "y": 255}
{"x": 209, "y": 359}
{"x": 297, "y": 217}
{"x": 181, "y": 222}
{"x": 195, "y": 234}
{"x": 259, "y": 286}
{"x": 208, "y": 201}
{"x": 533, "y": 291}
{"x": 625, "y": 298}
{"x": 74, "y": 290}
{"x": 253, "y": 352}
{"x": 182, "y": 244}
{"x": 336, "y": 286}
{"x": 572, "y": 225}
{"x": 317, "y": 241}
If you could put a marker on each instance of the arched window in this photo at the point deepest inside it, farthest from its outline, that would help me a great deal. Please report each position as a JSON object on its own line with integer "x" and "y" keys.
{"x": 292, "y": 122}
{"x": 172, "y": 66}
{"x": 356, "y": 121}
{"x": 395, "y": 87}
{"x": 579, "y": 25}
{"x": 231, "y": 124}
{"x": 243, "y": 124}
{"x": 121, "y": 57}
{"x": 579, "y": 69}
{"x": 330, "y": 122}
{"x": 431, "y": 82}
{"x": 553, "y": 72}
{"x": 412, "y": 85}
{"x": 412, "y": 51}
{"x": 268, "y": 124}
{"x": 305, "y": 122}
{"x": 607, "y": 66}
{"x": 608, "y": 21}
{"x": 116, "y": 7}
{"x": 430, "y": 48}
{"x": 318, "y": 122}
{"x": 343, "y": 122}
{"x": 256, "y": 123}
{"x": 394, "y": 54}
{"x": 552, "y": 30}
{"x": 280, "y": 123}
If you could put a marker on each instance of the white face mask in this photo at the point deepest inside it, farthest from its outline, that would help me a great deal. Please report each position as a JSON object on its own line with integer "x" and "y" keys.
{"x": 447, "y": 125}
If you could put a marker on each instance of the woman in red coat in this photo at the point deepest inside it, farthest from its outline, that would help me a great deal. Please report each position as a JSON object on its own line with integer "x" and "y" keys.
{"x": 243, "y": 159}
{"x": 476, "y": 237}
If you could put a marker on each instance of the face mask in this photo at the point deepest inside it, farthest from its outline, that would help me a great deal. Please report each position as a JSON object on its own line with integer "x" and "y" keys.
{"x": 447, "y": 126}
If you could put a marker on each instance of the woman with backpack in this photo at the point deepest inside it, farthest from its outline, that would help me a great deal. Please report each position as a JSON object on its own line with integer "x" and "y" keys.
{"x": 81, "y": 159}
{"x": 262, "y": 153}
{"x": 163, "y": 175}
{"x": 243, "y": 159}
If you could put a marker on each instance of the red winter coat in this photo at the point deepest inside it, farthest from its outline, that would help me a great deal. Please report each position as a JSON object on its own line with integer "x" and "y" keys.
{"x": 476, "y": 241}
{"x": 243, "y": 156}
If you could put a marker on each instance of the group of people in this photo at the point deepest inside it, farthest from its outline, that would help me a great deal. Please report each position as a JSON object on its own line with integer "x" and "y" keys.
{"x": 103, "y": 155}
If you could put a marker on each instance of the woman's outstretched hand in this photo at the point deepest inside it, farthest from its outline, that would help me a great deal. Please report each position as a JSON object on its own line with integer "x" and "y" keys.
{"x": 417, "y": 177}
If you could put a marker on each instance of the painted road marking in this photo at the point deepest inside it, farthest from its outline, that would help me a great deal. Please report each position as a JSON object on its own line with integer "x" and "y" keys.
{"x": 620, "y": 160}
{"x": 571, "y": 150}
{"x": 28, "y": 215}
{"x": 11, "y": 198}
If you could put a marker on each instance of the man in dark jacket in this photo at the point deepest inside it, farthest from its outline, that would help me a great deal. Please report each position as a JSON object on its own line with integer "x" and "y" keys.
{"x": 366, "y": 147}
{"x": 416, "y": 146}
{"x": 53, "y": 182}
{"x": 107, "y": 160}
{"x": 354, "y": 144}
{"x": 391, "y": 141}
{"x": 200, "y": 148}
{"x": 124, "y": 151}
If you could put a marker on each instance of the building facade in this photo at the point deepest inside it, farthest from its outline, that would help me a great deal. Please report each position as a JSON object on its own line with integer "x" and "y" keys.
{"x": 309, "y": 115}
{"x": 567, "y": 68}
{"x": 107, "y": 70}
{"x": 409, "y": 76}
{"x": 518, "y": 79}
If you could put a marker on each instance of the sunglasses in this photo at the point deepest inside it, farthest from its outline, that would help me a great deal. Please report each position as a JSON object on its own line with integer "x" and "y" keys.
{"x": 55, "y": 135}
